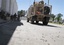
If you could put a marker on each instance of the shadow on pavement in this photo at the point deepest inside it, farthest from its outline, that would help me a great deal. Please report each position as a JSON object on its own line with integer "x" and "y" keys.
{"x": 7, "y": 30}
{"x": 40, "y": 24}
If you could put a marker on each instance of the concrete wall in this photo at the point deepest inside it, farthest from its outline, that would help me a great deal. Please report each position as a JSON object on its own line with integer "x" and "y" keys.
{"x": 14, "y": 7}
{"x": 3, "y": 5}
{"x": 0, "y": 4}
{"x": 9, "y": 6}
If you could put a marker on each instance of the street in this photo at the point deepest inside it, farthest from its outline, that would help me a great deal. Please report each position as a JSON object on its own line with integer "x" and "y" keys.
{"x": 24, "y": 33}
{"x": 17, "y": 29}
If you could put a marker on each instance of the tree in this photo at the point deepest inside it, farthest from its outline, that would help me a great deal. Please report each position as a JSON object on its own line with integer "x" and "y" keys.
{"x": 18, "y": 12}
{"x": 21, "y": 13}
{"x": 59, "y": 17}
{"x": 52, "y": 16}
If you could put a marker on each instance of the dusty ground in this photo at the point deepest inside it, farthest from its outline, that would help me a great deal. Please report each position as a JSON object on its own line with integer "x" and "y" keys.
{"x": 33, "y": 34}
{"x": 23, "y": 33}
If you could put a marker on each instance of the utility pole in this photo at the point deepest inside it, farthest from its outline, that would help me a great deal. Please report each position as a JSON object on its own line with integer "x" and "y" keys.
{"x": 34, "y": 0}
{"x": 48, "y": 2}
{"x": 50, "y": 9}
{"x": 34, "y": 7}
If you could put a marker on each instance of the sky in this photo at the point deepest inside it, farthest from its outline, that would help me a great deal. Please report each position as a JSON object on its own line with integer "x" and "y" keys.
{"x": 57, "y": 5}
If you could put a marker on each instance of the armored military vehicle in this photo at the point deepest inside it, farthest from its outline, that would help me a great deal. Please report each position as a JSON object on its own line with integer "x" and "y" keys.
{"x": 38, "y": 12}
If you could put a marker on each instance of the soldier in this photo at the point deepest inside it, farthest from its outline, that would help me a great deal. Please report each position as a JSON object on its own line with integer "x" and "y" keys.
{"x": 15, "y": 16}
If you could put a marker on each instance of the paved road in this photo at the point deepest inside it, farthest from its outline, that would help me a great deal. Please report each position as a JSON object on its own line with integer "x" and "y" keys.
{"x": 7, "y": 30}
{"x": 33, "y": 34}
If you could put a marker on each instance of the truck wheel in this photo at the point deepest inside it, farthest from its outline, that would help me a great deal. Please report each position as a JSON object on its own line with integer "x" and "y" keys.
{"x": 37, "y": 22}
{"x": 27, "y": 19}
{"x": 45, "y": 23}
{"x": 32, "y": 21}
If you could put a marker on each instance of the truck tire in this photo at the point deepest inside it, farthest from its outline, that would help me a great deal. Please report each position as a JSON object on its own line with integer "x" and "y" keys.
{"x": 37, "y": 22}
{"x": 27, "y": 19}
{"x": 32, "y": 20}
{"x": 45, "y": 22}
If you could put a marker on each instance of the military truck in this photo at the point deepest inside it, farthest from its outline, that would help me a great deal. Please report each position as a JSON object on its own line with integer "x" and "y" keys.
{"x": 38, "y": 12}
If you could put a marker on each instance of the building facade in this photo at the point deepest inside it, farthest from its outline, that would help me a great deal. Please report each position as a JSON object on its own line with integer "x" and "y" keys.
{"x": 9, "y": 6}
{"x": 0, "y": 4}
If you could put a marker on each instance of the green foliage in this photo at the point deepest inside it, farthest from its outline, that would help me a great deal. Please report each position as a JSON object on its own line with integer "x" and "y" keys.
{"x": 52, "y": 16}
{"x": 56, "y": 18}
{"x": 21, "y": 13}
{"x": 59, "y": 17}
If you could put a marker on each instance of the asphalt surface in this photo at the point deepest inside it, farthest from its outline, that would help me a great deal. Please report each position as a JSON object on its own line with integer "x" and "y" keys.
{"x": 2, "y": 21}
{"x": 24, "y": 33}
{"x": 6, "y": 31}
{"x": 38, "y": 34}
